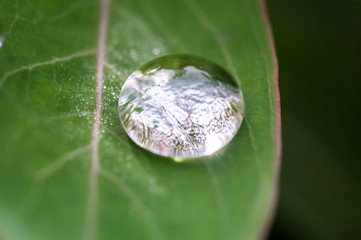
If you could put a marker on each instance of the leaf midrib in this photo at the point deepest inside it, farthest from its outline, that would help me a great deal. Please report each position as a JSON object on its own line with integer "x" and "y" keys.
{"x": 90, "y": 230}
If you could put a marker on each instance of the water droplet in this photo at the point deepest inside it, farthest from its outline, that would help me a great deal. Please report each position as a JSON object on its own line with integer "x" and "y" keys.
{"x": 2, "y": 38}
{"x": 133, "y": 54}
{"x": 181, "y": 106}
{"x": 156, "y": 51}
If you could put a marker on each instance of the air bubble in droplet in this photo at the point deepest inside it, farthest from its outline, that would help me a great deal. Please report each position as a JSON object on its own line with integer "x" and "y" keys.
{"x": 181, "y": 106}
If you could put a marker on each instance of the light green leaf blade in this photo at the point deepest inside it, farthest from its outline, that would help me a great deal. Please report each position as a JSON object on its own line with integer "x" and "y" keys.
{"x": 66, "y": 173}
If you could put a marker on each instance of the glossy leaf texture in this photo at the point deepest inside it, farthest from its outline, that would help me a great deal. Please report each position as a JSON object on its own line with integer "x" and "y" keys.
{"x": 67, "y": 168}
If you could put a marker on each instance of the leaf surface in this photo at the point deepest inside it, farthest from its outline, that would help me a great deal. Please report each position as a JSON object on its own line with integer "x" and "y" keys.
{"x": 68, "y": 169}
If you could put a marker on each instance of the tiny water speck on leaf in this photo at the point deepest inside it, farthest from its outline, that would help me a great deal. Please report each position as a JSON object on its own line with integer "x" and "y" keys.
{"x": 1, "y": 40}
{"x": 181, "y": 106}
{"x": 2, "y": 37}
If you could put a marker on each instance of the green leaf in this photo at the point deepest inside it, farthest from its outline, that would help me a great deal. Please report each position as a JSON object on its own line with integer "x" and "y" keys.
{"x": 66, "y": 173}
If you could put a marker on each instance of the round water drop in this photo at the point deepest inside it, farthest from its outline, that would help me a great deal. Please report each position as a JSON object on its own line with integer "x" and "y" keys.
{"x": 181, "y": 106}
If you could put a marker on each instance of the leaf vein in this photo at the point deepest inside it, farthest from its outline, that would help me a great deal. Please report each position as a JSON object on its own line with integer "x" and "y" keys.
{"x": 203, "y": 19}
{"x": 137, "y": 201}
{"x": 91, "y": 218}
{"x": 6, "y": 75}
{"x": 46, "y": 172}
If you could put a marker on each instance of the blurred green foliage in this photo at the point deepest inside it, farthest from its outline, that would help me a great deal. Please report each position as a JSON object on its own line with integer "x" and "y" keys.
{"x": 319, "y": 47}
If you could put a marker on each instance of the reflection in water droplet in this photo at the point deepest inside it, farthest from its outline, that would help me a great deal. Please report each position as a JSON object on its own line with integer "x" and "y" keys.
{"x": 181, "y": 106}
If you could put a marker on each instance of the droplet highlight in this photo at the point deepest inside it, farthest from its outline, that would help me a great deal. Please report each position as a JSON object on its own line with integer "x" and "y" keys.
{"x": 181, "y": 106}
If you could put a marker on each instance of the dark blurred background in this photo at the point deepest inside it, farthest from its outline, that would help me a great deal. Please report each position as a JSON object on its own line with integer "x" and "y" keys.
{"x": 319, "y": 51}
